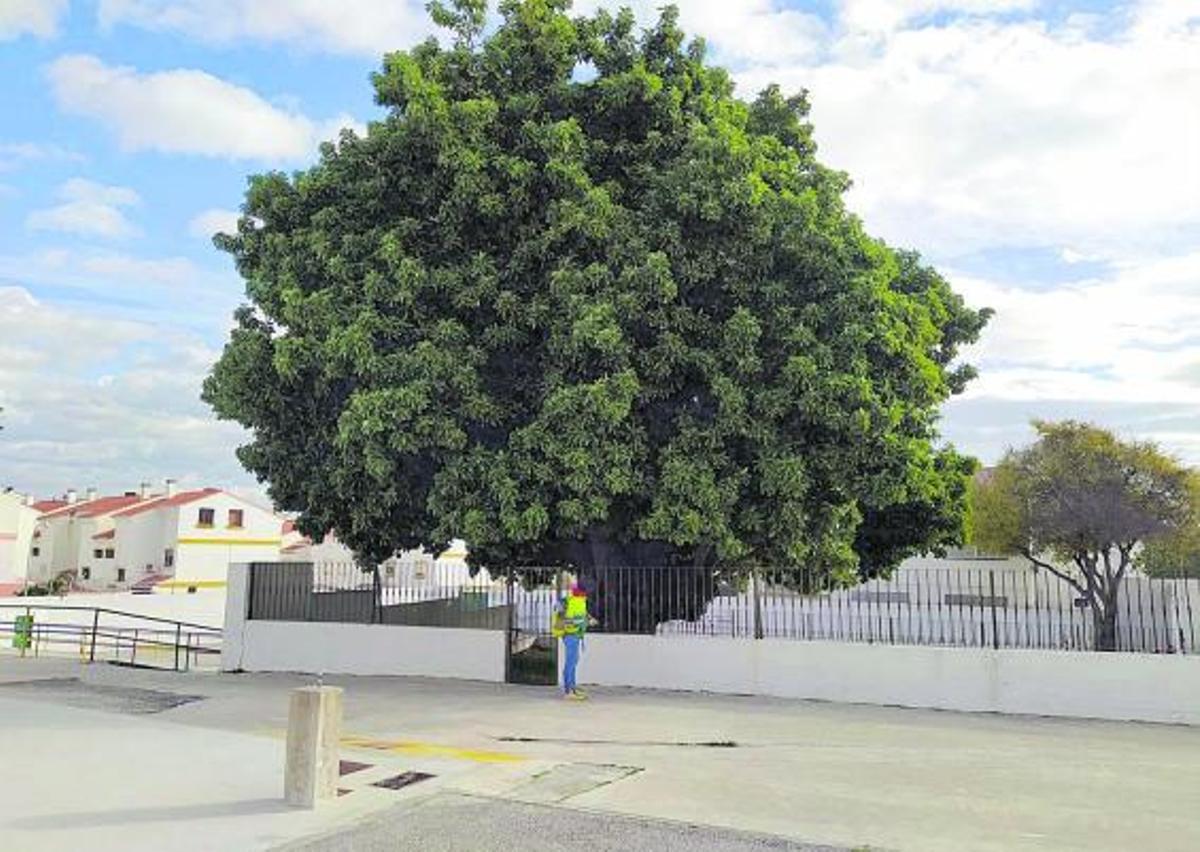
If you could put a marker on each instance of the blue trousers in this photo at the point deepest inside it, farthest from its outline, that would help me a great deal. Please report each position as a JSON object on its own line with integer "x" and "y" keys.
{"x": 571, "y": 661}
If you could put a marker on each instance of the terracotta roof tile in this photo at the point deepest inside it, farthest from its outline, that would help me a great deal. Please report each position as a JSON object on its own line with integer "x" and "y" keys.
{"x": 93, "y": 508}
{"x": 181, "y": 499}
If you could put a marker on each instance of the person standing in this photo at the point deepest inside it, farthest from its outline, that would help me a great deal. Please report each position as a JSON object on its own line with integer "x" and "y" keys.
{"x": 571, "y": 623}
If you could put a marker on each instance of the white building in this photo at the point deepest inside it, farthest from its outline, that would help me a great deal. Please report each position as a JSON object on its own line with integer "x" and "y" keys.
{"x": 18, "y": 520}
{"x": 64, "y": 539}
{"x": 410, "y": 574}
{"x": 191, "y": 538}
{"x": 170, "y": 540}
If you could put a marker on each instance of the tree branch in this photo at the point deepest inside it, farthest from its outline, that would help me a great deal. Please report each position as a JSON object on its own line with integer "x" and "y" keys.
{"x": 1088, "y": 569}
{"x": 1126, "y": 561}
{"x": 1067, "y": 578}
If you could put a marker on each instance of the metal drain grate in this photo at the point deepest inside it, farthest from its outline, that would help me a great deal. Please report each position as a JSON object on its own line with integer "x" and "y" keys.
{"x": 404, "y": 779}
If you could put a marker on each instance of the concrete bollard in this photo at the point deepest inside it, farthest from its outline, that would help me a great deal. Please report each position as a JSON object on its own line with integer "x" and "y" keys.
{"x": 314, "y": 733}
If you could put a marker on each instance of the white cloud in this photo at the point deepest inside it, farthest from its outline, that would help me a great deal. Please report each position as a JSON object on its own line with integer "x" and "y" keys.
{"x": 971, "y": 124}
{"x": 89, "y": 209}
{"x": 1129, "y": 336}
{"x": 347, "y": 26}
{"x": 978, "y": 133}
{"x": 52, "y": 336}
{"x": 35, "y": 17}
{"x": 880, "y": 16}
{"x": 205, "y": 225}
{"x": 748, "y": 31}
{"x": 142, "y": 420}
{"x": 185, "y": 111}
{"x": 759, "y": 30}
{"x": 125, "y": 286}
{"x": 14, "y": 155}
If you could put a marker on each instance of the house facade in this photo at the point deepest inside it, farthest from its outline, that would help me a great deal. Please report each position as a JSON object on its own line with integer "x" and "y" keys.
{"x": 191, "y": 538}
{"x": 184, "y": 539}
{"x": 18, "y": 520}
{"x": 65, "y": 538}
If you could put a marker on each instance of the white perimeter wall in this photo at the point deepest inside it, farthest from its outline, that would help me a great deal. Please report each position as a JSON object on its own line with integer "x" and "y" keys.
{"x": 354, "y": 649}
{"x": 1142, "y": 687}
{"x": 1134, "y": 687}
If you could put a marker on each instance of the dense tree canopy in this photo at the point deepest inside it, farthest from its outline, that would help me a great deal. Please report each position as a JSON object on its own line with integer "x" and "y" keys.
{"x": 575, "y": 302}
{"x": 1079, "y": 503}
{"x": 1177, "y": 554}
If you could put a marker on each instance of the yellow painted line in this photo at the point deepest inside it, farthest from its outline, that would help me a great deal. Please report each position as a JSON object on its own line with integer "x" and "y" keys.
{"x": 420, "y": 749}
{"x": 265, "y": 542}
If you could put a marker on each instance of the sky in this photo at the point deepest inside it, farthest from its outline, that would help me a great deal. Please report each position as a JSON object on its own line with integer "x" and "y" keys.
{"x": 1044, "y": 155}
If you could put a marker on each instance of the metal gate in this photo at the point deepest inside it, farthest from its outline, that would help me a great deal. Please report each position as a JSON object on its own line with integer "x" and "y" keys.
{"x": 532, "y": 650}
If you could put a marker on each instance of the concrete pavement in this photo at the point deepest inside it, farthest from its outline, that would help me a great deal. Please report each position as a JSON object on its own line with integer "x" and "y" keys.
{"x": 452, "y": 822}
{"x": 817, "y": 773}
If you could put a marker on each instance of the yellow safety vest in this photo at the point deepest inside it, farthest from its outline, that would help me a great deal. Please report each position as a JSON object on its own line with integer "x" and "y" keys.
{"x": 572, "y": 619}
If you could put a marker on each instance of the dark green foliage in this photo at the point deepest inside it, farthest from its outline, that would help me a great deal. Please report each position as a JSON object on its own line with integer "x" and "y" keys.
{"x": 586, "y": 318}
{"x": 1080, "y": 503}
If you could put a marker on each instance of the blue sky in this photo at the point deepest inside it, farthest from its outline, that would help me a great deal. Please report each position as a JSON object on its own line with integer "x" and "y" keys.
{"x": 1045, "y": 155}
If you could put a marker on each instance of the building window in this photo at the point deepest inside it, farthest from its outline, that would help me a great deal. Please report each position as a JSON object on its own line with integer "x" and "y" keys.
{"x": 109, "y": 553}
{"x": 97, "y": 554}
{"x": 236, "y": 517}
{"x": 206, "y": 517}
{"x": 85, "y": 572}
{"x": 37, "y": 551}
{"x": 169, "y": 558}
{"x": 120, "y": 575}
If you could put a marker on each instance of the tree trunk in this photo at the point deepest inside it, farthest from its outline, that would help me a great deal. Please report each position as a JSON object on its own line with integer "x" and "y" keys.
{"x": 633, "y": 587}
{"x": 1104, "y": 621}
{"x": 376, "y": 595}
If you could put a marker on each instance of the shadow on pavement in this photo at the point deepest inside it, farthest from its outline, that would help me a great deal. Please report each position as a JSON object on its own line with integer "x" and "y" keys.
{"x": 133, "y": 816}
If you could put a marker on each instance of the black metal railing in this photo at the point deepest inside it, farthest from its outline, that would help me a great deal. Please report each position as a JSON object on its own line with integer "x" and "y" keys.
{"x": 98, "y": 634}
{"x": 413, "y": 594}
{"x": 1003, "y": 606}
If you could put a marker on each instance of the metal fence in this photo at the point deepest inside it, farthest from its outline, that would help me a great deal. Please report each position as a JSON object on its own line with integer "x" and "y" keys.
{"x": 96, "y": 634}
{"x": 953, "y": 606}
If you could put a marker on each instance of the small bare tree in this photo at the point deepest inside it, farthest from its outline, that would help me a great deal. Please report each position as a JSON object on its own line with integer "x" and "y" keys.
{"x": 1078, "y": 503}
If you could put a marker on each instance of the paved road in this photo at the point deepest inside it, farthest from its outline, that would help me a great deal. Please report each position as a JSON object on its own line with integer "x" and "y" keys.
{"x": 152, "y": 760}
{"x": 456, "y": 823}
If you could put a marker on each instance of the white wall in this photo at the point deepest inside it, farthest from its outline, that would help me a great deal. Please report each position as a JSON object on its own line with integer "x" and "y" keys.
{"x": 140, "y": 544}
{"x": 57, "y": 547}
{"x": 102, "y": 568}
{"x": 41, "y": 566}
{"x": 369, "y": 649}
{"x": 1142, "y": 687}
{"x": 204, "y": 554}
{"x": 354, "y": 649}
{"x": 17, "y": 522}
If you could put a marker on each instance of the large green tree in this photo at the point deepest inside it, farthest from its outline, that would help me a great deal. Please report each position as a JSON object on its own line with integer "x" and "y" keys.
{"x": 1080, "y": 503}
{"x": 575, "y": 302}
{"x": 1177, "y": 554}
